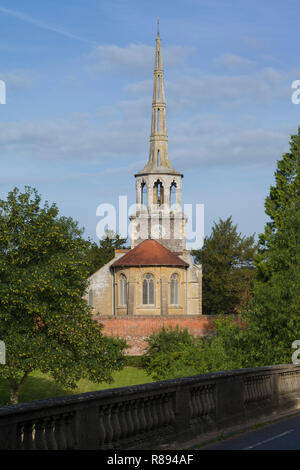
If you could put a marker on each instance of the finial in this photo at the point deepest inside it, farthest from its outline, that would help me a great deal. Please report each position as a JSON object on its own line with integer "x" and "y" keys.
{"x": 157, "y": 26}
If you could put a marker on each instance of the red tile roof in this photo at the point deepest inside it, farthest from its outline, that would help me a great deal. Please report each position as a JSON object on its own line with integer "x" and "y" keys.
{"x": 149, "y": 253}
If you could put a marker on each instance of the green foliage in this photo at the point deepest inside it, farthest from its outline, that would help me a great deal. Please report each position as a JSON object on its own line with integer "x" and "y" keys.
{"x": 274, "y": 314}
{"x": 134, "y": 361}
{"x": 228, "y": 348}
{"x": 227, "y": 264}
{"x": 163, "y": 351}
{"x": 44, "y": 320}
{"x": 283, "y": 196}
{"x": 98, "y": 256}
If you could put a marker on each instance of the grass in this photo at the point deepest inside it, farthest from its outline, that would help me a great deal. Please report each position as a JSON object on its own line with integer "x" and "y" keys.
{"x": 39, "y": 386}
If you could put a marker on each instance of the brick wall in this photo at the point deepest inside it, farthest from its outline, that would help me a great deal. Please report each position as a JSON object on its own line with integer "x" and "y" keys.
{"x": 136, "y": 329}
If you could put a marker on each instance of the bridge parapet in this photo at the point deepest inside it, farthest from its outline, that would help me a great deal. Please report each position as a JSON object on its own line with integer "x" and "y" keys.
{"x": 149, "y": 415}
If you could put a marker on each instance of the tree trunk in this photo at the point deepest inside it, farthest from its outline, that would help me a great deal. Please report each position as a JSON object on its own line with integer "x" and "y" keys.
{"x": 14, "y": 394}
{"x": 15, "y": 388}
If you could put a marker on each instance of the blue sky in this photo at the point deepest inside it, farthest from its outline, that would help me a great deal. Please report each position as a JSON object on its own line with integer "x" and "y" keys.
{"x": 79, "y": 89}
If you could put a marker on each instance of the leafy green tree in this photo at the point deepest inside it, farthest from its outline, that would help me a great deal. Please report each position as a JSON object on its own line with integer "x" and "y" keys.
{"x": 165, "y": 349}
{"x": 228, "y": 348}
{"x": 101, "y": 254}
{"x": 227, "y": 263}
{"x": 44, "y": 320}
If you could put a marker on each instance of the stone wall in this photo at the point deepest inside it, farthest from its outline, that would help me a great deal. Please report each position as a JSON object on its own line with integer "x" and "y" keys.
{"x": 136, "y": 329}
{"x": 152, "y": 415}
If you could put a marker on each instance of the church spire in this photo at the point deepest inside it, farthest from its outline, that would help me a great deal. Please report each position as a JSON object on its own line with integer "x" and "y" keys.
{"x": 158, "y": 156}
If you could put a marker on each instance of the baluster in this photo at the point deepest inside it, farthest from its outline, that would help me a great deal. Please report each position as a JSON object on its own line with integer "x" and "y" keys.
{"x": 129, "y": 418}
{"x": 194, "y": 403}
{"x": 135, "y": 418}
{"x": 28, "y": 443}
{"x": 212, "y": 405}
{"x": 108, "y": 425}
{"x": 142, "y": 415}
{"x": 60, "y": 432}
{"x": 161, "y": 420}
{"x": 102, "y": 431}
{"x": 171, "y": 410}
{"x": 288, "y": 382}
{"x": 259, "y": 388}
{"x": 163, "y": 410}
{"x": 122, "y": 420}
{"x": 115, "y": 422}
{"x": 49, "y": 433}
{"x": 148, "y": 415}
{"x": 155, "y": 411}
{"x": 255, "y": 391}
{"x": 200, "y": 402}
{"x": 206, "y": 399}
{"x": 248, "y": 391}
{"x": 20, "y": 436}
{"x": 166, "y": 409}
{"x": 69, "y": 431}
{"x": 39, "y": 437}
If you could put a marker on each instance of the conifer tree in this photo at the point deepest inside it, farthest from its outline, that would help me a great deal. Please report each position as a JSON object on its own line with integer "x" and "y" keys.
{"x": 227, "y": 264}
{"x": 274, "y": 314}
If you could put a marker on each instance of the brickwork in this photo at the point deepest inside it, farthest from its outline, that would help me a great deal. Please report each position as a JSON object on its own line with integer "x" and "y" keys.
{"x": 136, "y": 329}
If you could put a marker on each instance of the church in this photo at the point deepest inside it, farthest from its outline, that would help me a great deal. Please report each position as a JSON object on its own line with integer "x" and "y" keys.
{"x": 157, "y": 276}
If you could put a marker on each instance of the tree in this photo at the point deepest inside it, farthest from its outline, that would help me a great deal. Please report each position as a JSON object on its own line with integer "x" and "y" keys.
{"x": 227, "y": 263}
{"x": 274, "y": 314}
{"x": 228, "y": 348}
{"x": 44, "y": 320}
{"x": 165, "y": 348}
{"x": 102, "y": 254}
{"x": 283, "y": 195}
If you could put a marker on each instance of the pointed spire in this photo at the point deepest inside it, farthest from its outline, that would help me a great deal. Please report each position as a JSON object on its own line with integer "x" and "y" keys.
{"x": 158, "y": 157}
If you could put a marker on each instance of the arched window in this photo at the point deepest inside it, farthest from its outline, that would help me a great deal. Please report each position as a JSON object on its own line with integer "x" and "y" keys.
{"x": 158, "y": 120}
{"x": 174, "y": 290}
{"x": 144, "y": 197}
{"x": 148, "y": 290}
{"x": 91, "y": 297}
{"x": 158, "y": 193}
{"x": 158, "y": 158}
{"x": 173, "y": 194}
{"x": 123, "y": 290}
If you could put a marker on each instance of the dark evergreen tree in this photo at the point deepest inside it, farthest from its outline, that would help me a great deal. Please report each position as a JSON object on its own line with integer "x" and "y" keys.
{"x": 99, "y": 255}
{"x": 274, "y": 316}
{"x": 227, "y": 263}
{"x": 283, "y": 195}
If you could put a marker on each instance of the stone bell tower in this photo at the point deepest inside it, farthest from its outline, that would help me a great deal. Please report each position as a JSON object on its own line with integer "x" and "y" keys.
{"x": 158, "y": 186}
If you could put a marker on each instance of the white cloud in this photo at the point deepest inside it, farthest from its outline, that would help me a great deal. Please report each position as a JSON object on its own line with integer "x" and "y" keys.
{"x": 134, "y": 58}
{"x": 195, "y": 142}
{"x": 17, "y": 78}
{"x": 254, "y": 42}
{"x": 234, "y": 62}
{"x": 208, "y": 140}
